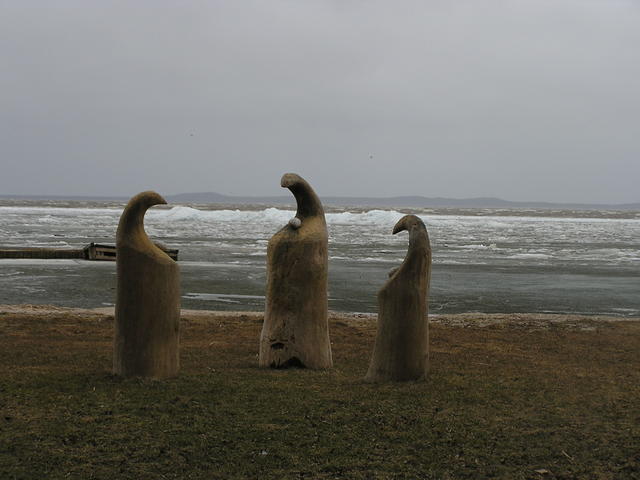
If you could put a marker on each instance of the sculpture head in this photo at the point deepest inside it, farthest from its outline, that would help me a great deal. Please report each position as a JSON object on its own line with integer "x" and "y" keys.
{"x": 409, "y": 223}
{"x": 309, "y": 204}
{"x": 148, "y": 199}
{"x": 419, "y": 246}
{"x": 131, "y": 225}
{"x": 289, "y": 180}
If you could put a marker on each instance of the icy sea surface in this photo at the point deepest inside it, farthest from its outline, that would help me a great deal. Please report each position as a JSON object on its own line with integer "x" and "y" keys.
{"x": 483, "y": 260}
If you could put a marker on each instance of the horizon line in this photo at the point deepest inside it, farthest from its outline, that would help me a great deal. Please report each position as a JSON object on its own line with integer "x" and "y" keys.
{"x": 280, "y": 197}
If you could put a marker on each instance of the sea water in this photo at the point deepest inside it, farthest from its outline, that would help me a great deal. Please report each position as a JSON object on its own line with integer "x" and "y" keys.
{"x": 484, "y": 260}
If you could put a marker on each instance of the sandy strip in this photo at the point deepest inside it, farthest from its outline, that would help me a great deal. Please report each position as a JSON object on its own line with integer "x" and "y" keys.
{"x": 472, "y": 319}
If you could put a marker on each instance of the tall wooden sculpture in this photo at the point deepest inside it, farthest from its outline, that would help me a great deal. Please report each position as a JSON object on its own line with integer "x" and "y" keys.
{"x": 148, "y": 298}
{"x": 295, "y": 330}
{"x": 401, "y": 350}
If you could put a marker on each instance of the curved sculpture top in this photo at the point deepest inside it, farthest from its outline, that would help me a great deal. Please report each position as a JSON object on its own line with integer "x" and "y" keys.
{"x": 131, "y": 234}
{"x": 148, "y": 298}
{"x": 295, "y": 330}
{"x": 309, "y": 204}
{"x": 401, "y": 348}
{"x": 419, "y": 252}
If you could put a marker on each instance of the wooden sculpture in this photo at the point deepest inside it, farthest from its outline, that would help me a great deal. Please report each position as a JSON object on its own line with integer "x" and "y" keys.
{"x": 295, "y": 330}
{"x": 401, "y": 350}
{"x": 148, "y": 298}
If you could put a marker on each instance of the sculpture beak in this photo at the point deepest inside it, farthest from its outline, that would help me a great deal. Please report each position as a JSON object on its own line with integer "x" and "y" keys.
{"x": 156, "y": 199}
{"x": 148, "y": 199}
{"x": 288, "y": 179}
{"x": 400, "y": 226}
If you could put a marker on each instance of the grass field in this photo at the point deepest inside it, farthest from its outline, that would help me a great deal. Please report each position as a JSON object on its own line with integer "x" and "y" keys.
{"x": 512, "y": 400}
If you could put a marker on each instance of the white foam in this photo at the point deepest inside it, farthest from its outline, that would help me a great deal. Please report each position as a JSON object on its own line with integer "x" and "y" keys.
{"x": 10, "y": 274}
{"x": 181, "y": 213}
{"x": 371, "y": 217}
{"x": 244, "y": 233}
{"x": 273, "y": 215}
{"x": 529, "y": 256}
{"x": 476, "y": 247}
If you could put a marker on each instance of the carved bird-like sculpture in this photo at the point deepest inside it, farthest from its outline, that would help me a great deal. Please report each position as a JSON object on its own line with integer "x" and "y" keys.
{"x": 295, "y": 330}
{"x": 148, "y": 298}
{"x": 401, "y": 350}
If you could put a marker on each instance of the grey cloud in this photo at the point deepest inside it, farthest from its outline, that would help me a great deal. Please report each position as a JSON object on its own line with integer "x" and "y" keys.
{"x": 517, "y": 99}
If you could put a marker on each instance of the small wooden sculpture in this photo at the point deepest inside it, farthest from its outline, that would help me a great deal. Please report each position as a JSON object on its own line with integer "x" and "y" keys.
{"x": 401, "y": 350}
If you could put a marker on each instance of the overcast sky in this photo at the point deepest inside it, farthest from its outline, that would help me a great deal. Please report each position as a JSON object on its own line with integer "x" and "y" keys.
{"x": 524, "y": 100}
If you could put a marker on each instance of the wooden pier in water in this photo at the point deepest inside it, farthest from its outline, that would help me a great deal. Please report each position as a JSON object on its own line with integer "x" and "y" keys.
{"x": 93, "y": 251}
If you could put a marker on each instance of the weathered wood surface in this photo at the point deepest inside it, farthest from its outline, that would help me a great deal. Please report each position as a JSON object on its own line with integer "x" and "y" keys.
{"x": 147, "y": 309}
{"x": 295, "y": 330}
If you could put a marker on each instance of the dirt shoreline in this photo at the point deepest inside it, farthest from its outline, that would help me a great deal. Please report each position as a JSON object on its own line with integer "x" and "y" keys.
{"x": 470, "y": 319}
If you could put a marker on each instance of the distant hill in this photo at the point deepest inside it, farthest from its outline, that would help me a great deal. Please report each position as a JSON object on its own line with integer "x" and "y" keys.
{"x": 73, "y": 198}
{"x": 405, "y": 201}
{"x": 388, "y": 202}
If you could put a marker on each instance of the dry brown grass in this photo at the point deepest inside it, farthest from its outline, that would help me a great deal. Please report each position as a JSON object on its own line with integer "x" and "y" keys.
{"x": 516, "y": 399}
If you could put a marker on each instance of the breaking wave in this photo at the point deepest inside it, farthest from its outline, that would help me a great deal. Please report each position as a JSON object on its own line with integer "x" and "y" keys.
{"x": 181, "y": 213}
{"x": 273, "y": 215}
